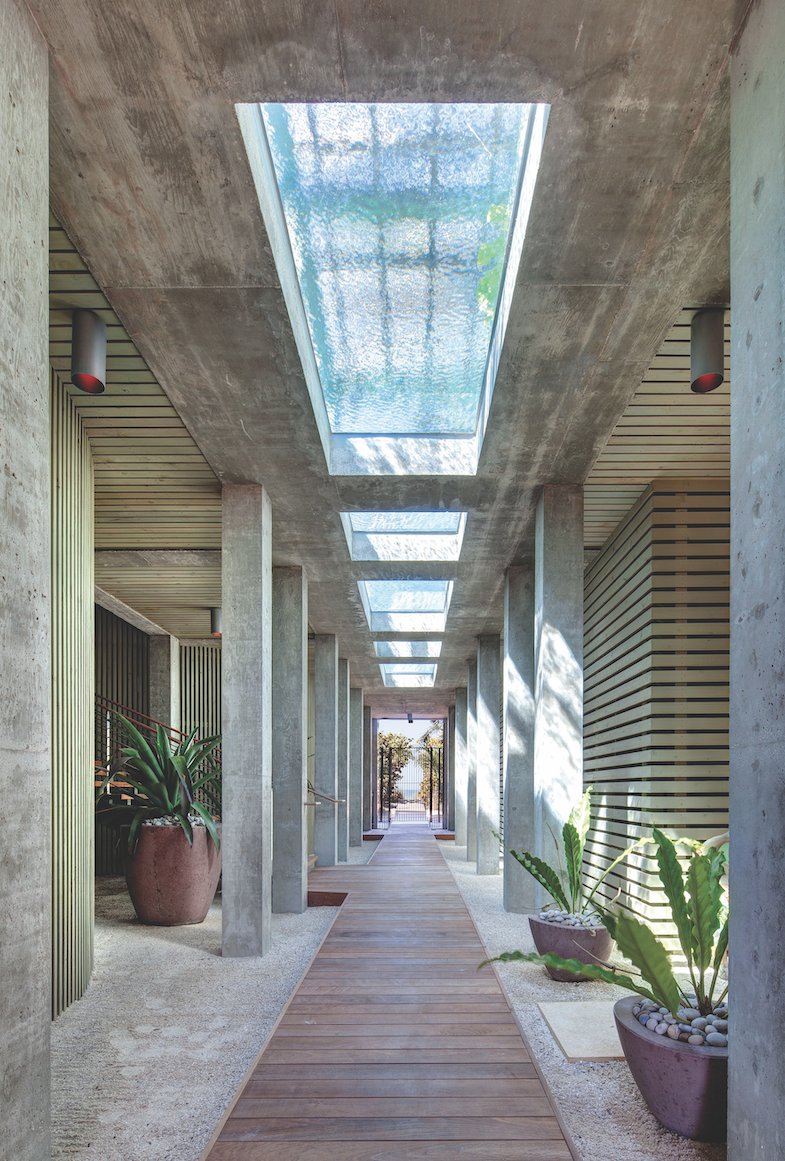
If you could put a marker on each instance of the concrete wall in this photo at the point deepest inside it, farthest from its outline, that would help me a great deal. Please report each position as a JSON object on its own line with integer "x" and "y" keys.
{"x": 757, "y": 642}
{"x": 25, "y": 696}
{"x": 164, "y": 681}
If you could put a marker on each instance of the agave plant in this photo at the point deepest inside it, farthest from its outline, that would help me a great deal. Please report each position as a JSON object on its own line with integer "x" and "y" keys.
{"x": 572, "y": 892}
{"x": 166, "y": 776}
{"x": 701, "y": 921}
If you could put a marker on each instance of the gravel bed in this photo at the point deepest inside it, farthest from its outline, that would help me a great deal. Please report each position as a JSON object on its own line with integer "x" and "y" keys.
{"x": 599, "y": 1103}
{"x": 363, "y": 852}
{"x": 145, "y": 1063}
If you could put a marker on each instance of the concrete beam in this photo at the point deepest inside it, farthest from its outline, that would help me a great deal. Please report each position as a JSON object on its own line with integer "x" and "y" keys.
{"x": 558, "y": 659}
{"x": 342, "y": 806}
{"x": 461, "y": 765}
{"x": 471, "y": 762}
{"x": 25, "y": 671}
{"x": 246, "y": 712}
{"x": 756, "y": 1078}
{"x": 356, "y": 766}
{"x": 325, "y": 827}
{"x": 488, "y": 753}
{"x": 164, "y": 680}
{"x": 126, "y": 613}
{"x": 518, "y": 743}
{"x": 290, "y": 739}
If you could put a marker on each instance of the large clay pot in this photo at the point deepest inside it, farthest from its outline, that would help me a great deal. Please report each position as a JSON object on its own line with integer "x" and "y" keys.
{"x": 587, "y": 944}
{"x": 170, "y": 882}
{"x": 684, "y": 1085}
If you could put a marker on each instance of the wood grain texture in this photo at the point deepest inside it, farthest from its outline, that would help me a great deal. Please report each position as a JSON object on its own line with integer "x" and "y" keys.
{"x": 394, "y": 1045}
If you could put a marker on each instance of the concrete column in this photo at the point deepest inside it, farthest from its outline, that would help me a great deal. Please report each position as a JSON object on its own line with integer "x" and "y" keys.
{"x": 461, "y": 765}
{"x": 246, "y": 715}
{"x": 488, "y": 753}
{"x": 518, "y": 743}
{"x": 375, "y": 770}
{"x": 290, "y": 739}
{"x": 164, "y": 678}
{"x": 342, "y": 808}
{"x": 449, "y": 772}
{"x": 356, "y": 767}
{"x": 558, "y": 660}
{"x": 367, "y": 769}
{"x": 471, "y": 762}
{"x": 325, "y": 778}
{"x": 25, "y": 671}
{"x": 756, "y": 1087}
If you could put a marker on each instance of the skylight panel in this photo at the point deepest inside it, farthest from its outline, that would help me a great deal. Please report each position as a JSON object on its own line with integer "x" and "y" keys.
{"x": 408, "y": 648}
{"x": 397, "y": 606}
{"x": 416, "y": 536}
{"x": 408, "y": 676}
{"x": 399, "y": 224}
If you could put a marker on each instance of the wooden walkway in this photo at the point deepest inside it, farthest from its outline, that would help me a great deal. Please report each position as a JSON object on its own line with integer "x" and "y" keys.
{"x": 394, "y": 1046}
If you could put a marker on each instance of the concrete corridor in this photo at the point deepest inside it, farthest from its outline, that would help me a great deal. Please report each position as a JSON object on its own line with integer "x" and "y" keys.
{"x": 394, "y": 1046}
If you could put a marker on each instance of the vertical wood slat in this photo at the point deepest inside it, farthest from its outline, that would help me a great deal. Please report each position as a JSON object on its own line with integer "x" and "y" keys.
{"x": 72, "y": 701}
{"x": 656, "y": 681}
{"x": 200, "y": 687}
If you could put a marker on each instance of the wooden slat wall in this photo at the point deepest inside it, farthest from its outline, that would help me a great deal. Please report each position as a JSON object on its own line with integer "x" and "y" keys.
{"x": 200, "y": 687}
{"x": 656, "y": 678}
{"x": 72, "y": 702}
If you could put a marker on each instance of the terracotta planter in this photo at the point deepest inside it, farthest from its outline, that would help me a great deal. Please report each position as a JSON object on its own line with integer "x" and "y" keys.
{"x": 587, "y": 944}
{"x": 171, "y": 883}
{"x": 684, "y": 1085}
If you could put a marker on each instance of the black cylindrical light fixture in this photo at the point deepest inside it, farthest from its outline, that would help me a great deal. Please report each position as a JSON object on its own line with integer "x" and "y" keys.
{"x": 215, "y": 621}
{"x": 707, "y": 350}
{"x": 88, "y": 352}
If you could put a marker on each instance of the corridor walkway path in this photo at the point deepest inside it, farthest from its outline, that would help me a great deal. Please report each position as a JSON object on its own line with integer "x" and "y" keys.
{"x": 394, "y": 1046}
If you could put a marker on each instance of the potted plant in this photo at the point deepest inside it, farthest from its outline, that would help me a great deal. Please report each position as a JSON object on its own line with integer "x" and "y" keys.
{"x": 675, "y": 1036}
{"x": 173, "y": 858}
{"x": 573, "y": 927}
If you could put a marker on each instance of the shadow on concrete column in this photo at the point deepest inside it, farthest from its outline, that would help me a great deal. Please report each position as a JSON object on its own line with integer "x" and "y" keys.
{"x": 449, "y": 795}
{"x": 325, "y": 827}
{"x": 461, "y": 766}
{"x": 518, "y": 752}
{"x": 163, "y": 654}
{"x": 290, "y": 739}
{"x": 246, "y": 715}
{"x": 488, "y": 753}
{"x": 356, "y": 758}
{"x": 471, "y": 762}
{"x": 342, "y": 806}
{"x": 368, "y": 819}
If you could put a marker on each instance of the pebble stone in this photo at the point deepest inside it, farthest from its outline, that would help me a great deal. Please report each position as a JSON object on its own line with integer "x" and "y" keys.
{"x": 688, "y": 1026}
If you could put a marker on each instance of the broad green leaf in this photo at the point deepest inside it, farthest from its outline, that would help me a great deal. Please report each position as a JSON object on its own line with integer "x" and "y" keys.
{"x": 142, "y": 745}
{"x": 133, "y": 833}
{"x": 612, "y": 866}
{"x": 672, "y": 880}
{"x": 703, "y": 888}
{"x": 573, "y": 856}
{"x": 580, "y": 815}
{"x": 187, "y": 829}
{"x": 209, "y": 822}
{"x": 593, "y": 971}
{"x": 721, "y": 946}
{"x": 544, "y": 874}
{"x": 638, "y": 944}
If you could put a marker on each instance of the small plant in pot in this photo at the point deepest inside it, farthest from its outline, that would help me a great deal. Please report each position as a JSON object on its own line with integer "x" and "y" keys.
{"x": 173, "y": 858}
{"x": 573, "y": 927}
{"x": 674, "y": 1032}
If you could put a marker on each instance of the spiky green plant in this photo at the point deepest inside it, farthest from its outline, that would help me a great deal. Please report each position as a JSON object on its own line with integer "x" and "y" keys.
{"x": 572, "y": 892}
{"x": 166, "y": 776}
{"x": 700, "y": 919}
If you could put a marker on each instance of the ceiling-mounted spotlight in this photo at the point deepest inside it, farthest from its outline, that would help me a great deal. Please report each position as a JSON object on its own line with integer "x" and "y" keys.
{"x": 409, "y": 718}
{"x": 707, "y": 350}
{"x": 88, "y": 352}
{"x": 215, "y": 621}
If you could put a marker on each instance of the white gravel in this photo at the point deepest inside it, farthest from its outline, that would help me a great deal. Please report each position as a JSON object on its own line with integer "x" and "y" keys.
{"x": 599, "y": 1103}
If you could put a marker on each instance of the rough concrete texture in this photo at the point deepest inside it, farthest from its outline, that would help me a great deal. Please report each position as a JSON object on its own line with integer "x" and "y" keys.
{"x": 450, "y": 771}
{"x": 600, "y": 1105}
{"x": 25, "y": 883}
{"x": 368, "y": 767}
{"x": 488, "y": 743}
{"x": 290, "y": 739}
{"x": 461, "y": 765}
{"x": 518, "y": 742}
{"x": 757, "y": 644}
{"x": 342, "y": 806}
{"x": 325, "y": 778}
{"x": 356, "y": 760}
{"x": 471, "y": 761}
{"x": 246, "y": 718}
{"x": 164, "y": 674}
{"x": 145, "y": 1063}
{"x": 558, "y": 663}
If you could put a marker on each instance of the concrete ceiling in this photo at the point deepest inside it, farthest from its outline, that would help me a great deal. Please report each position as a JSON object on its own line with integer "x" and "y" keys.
{"x": 629, "y": 222}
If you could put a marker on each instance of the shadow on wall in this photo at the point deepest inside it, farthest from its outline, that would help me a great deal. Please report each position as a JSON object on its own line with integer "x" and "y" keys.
{"x": 558, "y": 739}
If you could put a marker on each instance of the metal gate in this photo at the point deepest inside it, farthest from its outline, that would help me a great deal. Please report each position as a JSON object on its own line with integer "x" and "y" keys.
{"x": 410, "y": 785}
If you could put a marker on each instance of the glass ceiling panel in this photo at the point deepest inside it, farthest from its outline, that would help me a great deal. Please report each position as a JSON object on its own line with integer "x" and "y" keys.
{"x": 410, "y": 606}
{"x": 408, "y": 648}
{"x": 422, "y": 536}
{"x": 408, "y": 675}
{"x": 399, "y": 221}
